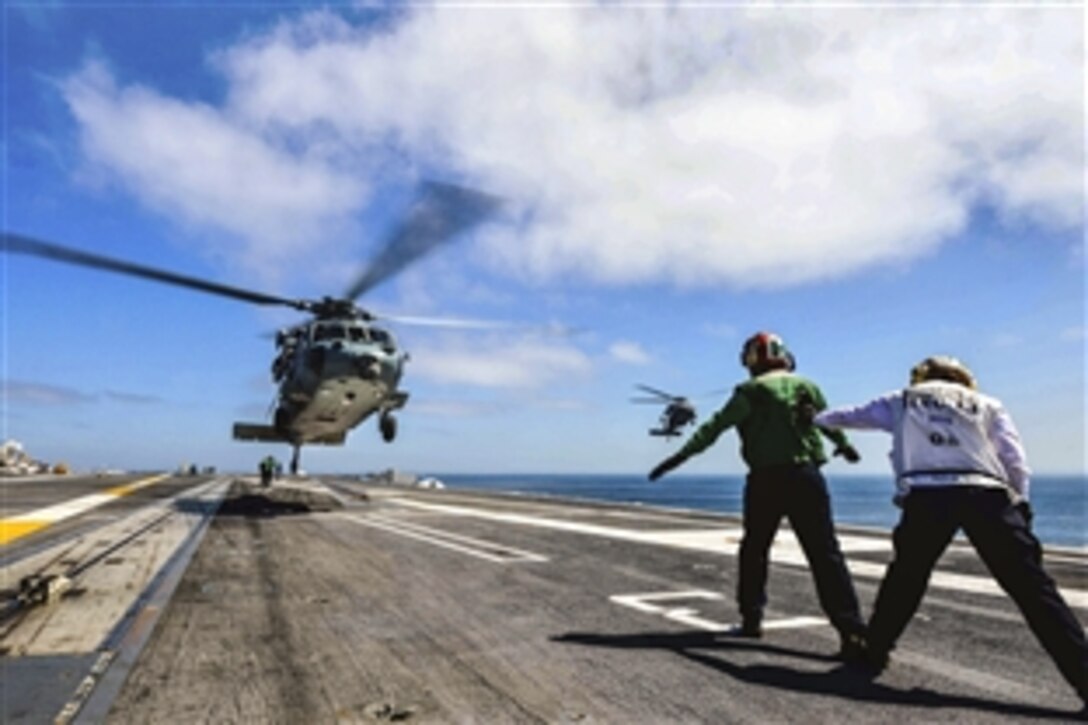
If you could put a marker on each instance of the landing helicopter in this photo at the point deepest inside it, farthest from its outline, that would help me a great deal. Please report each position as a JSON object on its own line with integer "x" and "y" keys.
{"x": 338, "y": 367}
{"x": 679, "y": 411}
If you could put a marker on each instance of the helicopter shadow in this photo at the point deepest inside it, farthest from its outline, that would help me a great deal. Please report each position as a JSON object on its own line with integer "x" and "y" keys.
{"x": 246, "y": 505}
{"x": 709, "y": 650}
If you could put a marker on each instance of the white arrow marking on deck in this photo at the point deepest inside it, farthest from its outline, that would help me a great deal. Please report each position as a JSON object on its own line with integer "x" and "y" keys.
{"x": 725, "y": 540}
{"x": 690, "y": 617}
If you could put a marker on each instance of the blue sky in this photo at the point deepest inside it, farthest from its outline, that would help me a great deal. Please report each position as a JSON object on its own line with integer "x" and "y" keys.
{"x": 874, "y": 184}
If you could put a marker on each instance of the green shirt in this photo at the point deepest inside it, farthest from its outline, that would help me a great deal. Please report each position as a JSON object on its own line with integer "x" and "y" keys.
{"x": 764, "y": 410}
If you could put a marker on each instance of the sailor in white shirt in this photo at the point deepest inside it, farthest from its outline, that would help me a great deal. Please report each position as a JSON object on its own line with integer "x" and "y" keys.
{"x": 958, "y": 464}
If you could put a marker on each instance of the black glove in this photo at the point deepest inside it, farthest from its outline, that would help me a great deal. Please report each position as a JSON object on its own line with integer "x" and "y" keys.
{"x": 1025, "y": 510}
{"x": 667, "y": 465}
{"x": 848, "y": 452}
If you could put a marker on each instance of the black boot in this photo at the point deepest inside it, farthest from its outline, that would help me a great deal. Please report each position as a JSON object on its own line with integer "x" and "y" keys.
{"x": 852, "y": 648}
{"x": 872, "y": 663}
{"x": 750, "y": 627}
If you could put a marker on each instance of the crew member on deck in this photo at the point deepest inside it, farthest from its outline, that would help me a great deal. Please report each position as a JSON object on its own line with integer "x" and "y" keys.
{"x": 267, "y": 468}
{"x": 959, "y": 463}
{"x": 783, "y": 450}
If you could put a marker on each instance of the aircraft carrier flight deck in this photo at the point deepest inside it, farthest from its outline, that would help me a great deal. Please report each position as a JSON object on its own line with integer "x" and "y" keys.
{"x": 146, "y": 598}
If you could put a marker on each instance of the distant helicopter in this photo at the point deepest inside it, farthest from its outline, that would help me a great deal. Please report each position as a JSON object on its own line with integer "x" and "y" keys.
{"x": 679, "y": 411}
{"x": 337, "y": 368}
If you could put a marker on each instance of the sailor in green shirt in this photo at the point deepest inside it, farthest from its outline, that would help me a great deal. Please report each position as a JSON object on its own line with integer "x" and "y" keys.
{"x": 773, "y": 413}
{"x": 267, "y": 467}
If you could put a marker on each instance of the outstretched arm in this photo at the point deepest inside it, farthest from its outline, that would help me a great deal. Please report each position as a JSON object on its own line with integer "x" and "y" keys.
{"x": 878, "y": 414}
{"x": 809, "y": 403}
{"x": 735, "y": 410}
{"x": 666, "y": 465}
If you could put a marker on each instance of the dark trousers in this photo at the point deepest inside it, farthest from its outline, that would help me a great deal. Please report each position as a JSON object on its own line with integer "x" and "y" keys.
{"x": 1003, "y": 538}
{"x": 800, "y": 494}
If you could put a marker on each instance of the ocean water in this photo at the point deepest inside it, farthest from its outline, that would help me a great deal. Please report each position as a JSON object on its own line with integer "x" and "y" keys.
{"x": 1060, "y": 502}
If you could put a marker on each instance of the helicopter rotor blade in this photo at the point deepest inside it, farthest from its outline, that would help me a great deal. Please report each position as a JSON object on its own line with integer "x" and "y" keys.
{"x": 460, "y": 323}
{"x": 451, "y": 322}
{"x": 442, "y": 212}
{"x": 21, "y": 244}
{"x": 655, "y": 391}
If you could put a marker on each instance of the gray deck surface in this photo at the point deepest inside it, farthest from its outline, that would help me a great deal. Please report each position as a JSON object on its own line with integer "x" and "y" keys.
{"x": 446, "y": 606}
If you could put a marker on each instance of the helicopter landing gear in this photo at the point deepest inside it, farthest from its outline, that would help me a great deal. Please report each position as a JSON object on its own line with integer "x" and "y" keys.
{"x": 387, "y": 424}
{"x": 294, "y": 461}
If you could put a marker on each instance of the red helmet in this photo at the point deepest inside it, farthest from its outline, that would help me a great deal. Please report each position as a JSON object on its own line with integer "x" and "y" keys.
{"x": 765, "y": 351}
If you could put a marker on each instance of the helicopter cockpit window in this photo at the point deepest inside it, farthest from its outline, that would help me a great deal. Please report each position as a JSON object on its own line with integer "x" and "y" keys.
{"x": 329, "y": 332}
{"x": 357, "y": 334}
{"x": 379, "y": 336}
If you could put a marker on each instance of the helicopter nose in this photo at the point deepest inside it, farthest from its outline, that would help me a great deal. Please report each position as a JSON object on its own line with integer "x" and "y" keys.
{"x": 369, "y": 367}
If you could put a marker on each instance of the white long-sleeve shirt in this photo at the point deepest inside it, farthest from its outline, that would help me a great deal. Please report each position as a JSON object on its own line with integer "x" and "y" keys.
{"x": 943, "y": 434}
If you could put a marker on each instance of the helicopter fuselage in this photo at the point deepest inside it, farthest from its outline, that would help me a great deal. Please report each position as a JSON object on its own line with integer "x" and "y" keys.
{"x": 676, "y": 416}
{"x": 333, "y": 373}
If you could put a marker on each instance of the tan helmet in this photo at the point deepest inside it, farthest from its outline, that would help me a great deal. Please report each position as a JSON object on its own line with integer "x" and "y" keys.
{"x": 942, "y": 367}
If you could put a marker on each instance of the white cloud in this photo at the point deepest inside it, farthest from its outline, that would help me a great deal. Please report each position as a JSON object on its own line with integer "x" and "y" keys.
{"x": 201, "y": 167}
{"x": 495, "y": 363}
{"x": 628, "y": 352}
{"x": 720, "y": 329}
{"x": 457, "y": 408}
{"x": 1074, "y": 334}
{"x": 747, "y": 146}
{"x": 132, "y": 398}
{"x": 31, "y": 393}
{"x": 1006, "y": 340}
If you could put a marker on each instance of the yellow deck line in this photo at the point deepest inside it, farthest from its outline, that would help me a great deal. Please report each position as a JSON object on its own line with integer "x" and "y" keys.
{"x": 128, "y": 488}
{"x": 11, "y": 530}
{"x": 16, "y": 527}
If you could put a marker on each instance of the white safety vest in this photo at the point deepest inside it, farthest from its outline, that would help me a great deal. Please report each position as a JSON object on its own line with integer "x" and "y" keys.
{"x": 941, "y": 437}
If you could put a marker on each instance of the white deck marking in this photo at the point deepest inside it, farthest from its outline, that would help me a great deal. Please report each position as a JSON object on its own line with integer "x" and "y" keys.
{"x": 479, "y": 548}
{"x": 690, "y": 617}
{"x": 726, "y": 540}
